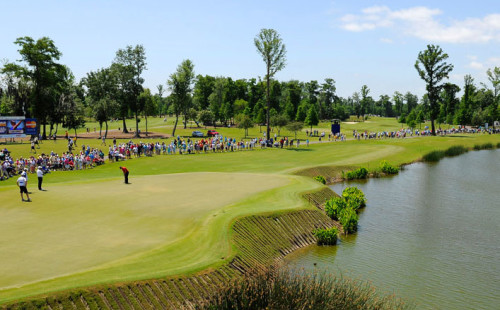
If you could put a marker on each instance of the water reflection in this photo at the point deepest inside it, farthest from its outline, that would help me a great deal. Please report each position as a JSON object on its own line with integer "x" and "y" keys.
{"x": 431, "y": 233}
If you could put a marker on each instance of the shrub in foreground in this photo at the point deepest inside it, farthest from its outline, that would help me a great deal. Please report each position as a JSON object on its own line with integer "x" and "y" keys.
{"x": 285, "y": 289}
{"x": 326, "y": 236}
{"x": 477, "y": 147}
{"x": 360, "y": 173}
{"x": 320, "y": 179}
{"x": 433, "y": 156}
{"x": 387, "y": 168}
{"x": 498, "y": 145}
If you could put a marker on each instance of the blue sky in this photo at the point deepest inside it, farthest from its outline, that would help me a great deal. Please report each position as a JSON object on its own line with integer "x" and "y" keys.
{"x": 354, "y": 42}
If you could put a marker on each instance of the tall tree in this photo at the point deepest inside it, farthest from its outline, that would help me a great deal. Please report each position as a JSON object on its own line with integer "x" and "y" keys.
{"x": 449, "y": 100}
{"x": 327, "y": 98}
{"x": 216, "y": 99}
{"x": 467, "y": 105}
{"x": 130, "y": 63}
{"x": 159, "y": 100}
{"x": 312, "y": 117}
{"x": 148, "y": 105}
{"x": 398, "y": 103}
{"x": 411, "y": 101}
{"x": 41, "y": 68}
{"x": 180, "y": 84}
{"x": 365, "y": 100}
{"x": 203, "y": 88}
{"x": 432, "y": 67}
{"x": 494, "y": 78}
{"x": 272, "y": 49}
{"x": 101, "y": 87}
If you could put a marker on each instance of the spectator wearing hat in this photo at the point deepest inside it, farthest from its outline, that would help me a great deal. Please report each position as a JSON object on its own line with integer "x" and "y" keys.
{"x": 23, "y": 183}
{"x": 39, "y": 173}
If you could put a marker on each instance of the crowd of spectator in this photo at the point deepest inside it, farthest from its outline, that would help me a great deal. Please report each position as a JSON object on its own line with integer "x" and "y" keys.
{"x": 87, "y": 158}
{"x": 217, "y": 144}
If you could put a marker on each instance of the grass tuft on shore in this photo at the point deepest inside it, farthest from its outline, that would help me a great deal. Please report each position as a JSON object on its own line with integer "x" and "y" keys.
{"x": 288, "y": 289}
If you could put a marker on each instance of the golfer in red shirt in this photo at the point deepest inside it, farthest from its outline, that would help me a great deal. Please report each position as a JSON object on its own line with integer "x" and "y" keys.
{"x": 125, "y": 174}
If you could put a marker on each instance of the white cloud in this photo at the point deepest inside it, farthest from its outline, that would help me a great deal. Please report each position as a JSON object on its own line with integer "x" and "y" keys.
{"x": 475, "y": 65}
{"x": 386, "y": 40}
{"x": 423, "y": 23}
{"x": 495, "y": 61}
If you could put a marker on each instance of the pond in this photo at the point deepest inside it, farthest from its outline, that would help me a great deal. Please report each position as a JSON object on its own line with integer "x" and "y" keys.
{"x": 431, "y": 234}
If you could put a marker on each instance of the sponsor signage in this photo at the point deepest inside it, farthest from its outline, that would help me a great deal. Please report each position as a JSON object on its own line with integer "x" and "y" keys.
{"x": 17, "y": 126}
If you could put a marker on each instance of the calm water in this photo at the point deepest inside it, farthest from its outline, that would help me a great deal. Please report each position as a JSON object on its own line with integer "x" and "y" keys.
{"x": 430, "y": 234}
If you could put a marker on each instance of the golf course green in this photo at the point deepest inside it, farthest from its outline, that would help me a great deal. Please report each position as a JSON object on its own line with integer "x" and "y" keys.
{"x": 175, "y": 218}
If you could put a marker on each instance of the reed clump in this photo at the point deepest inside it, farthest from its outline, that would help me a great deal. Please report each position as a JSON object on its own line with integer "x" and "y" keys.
{"x": 286, "y": 289}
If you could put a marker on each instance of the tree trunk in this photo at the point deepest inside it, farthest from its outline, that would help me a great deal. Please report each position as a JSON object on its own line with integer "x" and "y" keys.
{"x": 185, "y": 120}
{"x": 100, "y": 129}
{"x": 268, "y": 103}
{"x": 124, "y": 126}
{"x": 106, "y": 132}
{"x": 433, "y": 129}
{"x": 175, "y": 125}
{"x": 44, "y": 135}
{"x": 146, "y": 117}
{"x": 57, "y": 127}
{"x": 136, "y": 126}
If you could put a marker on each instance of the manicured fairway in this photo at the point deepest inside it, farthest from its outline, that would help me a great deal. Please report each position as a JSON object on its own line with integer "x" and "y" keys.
{"x": 83, "y": 233}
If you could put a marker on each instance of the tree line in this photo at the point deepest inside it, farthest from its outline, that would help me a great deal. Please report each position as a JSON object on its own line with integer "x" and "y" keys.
{"x": 39, "y": 86}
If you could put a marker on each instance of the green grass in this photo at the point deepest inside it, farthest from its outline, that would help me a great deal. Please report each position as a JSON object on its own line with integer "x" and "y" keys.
{"x": 90, "y": 229}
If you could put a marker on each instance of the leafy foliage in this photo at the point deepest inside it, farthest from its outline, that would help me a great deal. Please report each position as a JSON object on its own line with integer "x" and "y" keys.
{"x": 272, "y": 49}
{"x": 354, "y": 197}
{"x": 349, "y": 220}
{"x": 432, "y": 68}
{"x": 326, "y": 236}
{"x": 387, "y": 168}
{"x": 320, "y": 179}
{"x": 344, "y": 208}
{"x": 360, "y": 173}
{"x": 295, "y": 126}
{"x": 334, "y": 206}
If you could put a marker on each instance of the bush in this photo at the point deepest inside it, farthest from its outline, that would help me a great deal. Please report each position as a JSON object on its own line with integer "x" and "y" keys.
{"x": 320, "y": 179}
{"x": 455, "y": 150}
{"x": 387, "y": 168}
{"x": 477, "y": 147}
{"x": 354, "y": 197}
{"x": 348, "y": 218}
{"x": 498, "y": 145}
{"x": 326, "y": 236}
{"x": 292, "y": 289}
{"x": 334, "y": 206}
{"x": 433, "y": 156}
{"x": 360, "y": 173}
